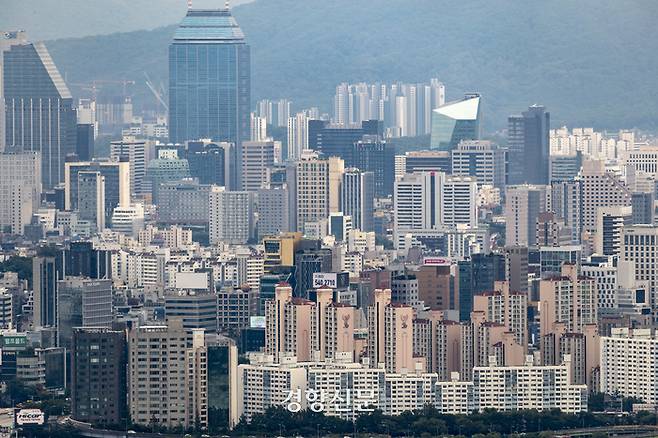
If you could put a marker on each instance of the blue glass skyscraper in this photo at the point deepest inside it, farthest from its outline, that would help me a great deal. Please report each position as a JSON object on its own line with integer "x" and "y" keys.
{"x": 209, "y": 79}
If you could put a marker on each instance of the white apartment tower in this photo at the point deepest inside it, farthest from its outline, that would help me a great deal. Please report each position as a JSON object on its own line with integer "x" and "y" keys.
{"x": 231, "y": 216}
{"x": 20, "y": 189}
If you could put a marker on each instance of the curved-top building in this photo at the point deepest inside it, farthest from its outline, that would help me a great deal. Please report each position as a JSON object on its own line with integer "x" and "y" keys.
{"x": 456, "y": 121}
{"x": 209, "y": 78}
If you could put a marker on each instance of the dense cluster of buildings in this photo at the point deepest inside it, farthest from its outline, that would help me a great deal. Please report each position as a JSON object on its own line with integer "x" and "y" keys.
{"x": 348, "y": 275}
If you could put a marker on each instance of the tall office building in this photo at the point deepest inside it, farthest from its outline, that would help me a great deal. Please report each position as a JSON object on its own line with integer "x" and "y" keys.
{"x": 417, "y": 203}
{"x": 427, "y": 161}
{"x": 357, "y": 198}
{"x": 117, "y": 183}
{"x": 82, "y": 302}
{"x": 83, "y": 260}
{"x": 459, "y": 206}
{"x": 46, "y": 273}
{"x": 312, "y": 190}
{"x": 20, "y": 189}
{"x": 610, "y": 223}
{"x": 601, "y": 188}
{"x": 308, "y": 262}
{"x": 196, "y": 308}
{"x": 456, "y": 121}
{"x": 231, "y": 216}
{"x": 529, "y": 147}
{"x": 475, "y": 276}
{"x": 337, "y": 141}
{"x": 91, "y": 199}
{"x": 84, "y": 143}
{"x": 184, "y": 202}
{"x": 257, "y": 161}
{"x": 209, "y": 79}
{"x": 643, "y": 208}
{"x": 485, "y": 161}
{"x": 98, "y": 376}
{"x": 37, "y": 107}
{"x": 640, "y": 247}
{"x": 167, "y": 167}
{"x": 523, "y": 205}
{"x": 564, "y": 167}
{"x": 372, "y": 154}
{"x": 132, "y": 151}
{"x": 211, "y": 162}
{"x": 567, "y": 203}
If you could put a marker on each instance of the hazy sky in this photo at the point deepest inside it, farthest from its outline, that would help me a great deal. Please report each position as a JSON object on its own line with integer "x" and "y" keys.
{"x": 52, "y": 19}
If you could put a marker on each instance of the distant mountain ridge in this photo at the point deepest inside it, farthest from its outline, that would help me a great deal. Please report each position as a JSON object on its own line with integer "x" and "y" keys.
{"x": 591, "y": 63}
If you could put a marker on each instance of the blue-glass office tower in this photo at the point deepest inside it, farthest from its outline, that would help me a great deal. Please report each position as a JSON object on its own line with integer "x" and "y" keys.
{"x": 209, "y": 79}
{"x": 36, "y": 106}
{"x": 456, "y": 121}
{"x": 478, "y": 275}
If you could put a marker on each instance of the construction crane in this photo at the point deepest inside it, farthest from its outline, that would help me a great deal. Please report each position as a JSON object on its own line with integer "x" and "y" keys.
{"x": 96, "y": 84}
{"x": 156, "y": 93}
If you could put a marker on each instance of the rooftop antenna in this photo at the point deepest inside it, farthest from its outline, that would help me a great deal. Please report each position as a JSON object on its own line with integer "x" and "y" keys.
{"x": 189, "y": 4}
{"x": 227, "y": 5}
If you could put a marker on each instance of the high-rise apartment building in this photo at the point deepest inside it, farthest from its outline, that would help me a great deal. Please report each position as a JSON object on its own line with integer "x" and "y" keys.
{"x": 207, "y": 102}
{"x": 390, "y": 333}
{"x": 522, "y": 207}
{"x": 37, "y": 107}
{"x": 506, "y": 307}
{"x": 529, "y": 146}
{"x": 306, "y": 329}
{"x": 629, "y": 364}
{"x": 231, "y": 216}
{"x": 568, "y": 299}
{"x": 167, "y": 376}
{"x": 20, "y": 189}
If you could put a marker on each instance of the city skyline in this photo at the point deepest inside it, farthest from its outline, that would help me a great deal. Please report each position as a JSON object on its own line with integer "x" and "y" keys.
{"x": 220, "y": 262}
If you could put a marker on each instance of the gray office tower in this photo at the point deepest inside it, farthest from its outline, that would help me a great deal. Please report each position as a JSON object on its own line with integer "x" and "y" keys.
{"x": 358, "y": 198}
{"x": 643, "y": 208}
{"x": 209, "y": 79}
{"x": 36, "y": 107}
{"x": 529, "y": 147}
{"x": 82, "y": 302}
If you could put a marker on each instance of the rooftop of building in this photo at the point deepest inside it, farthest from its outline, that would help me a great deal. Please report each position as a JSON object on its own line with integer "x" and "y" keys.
{"x": 209, "y": 26}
